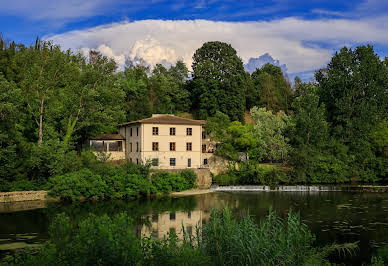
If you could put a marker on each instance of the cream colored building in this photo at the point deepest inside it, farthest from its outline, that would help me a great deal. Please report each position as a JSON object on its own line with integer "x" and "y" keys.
{"x": 167, "y": 141}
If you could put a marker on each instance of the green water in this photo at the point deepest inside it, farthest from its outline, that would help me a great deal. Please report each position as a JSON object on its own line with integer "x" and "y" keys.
{"x": 332, "y": 216}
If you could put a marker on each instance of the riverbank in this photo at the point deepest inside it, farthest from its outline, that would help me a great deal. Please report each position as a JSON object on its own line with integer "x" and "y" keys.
{"x": 192, "y": 192}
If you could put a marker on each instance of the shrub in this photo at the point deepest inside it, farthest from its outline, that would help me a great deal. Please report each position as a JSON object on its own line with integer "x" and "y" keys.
{"x": 223, "y": 240}
{"x": 81, "y": 183}
{"x": 253, "y": 175}
{"x": 190, "y": 176}
{"x": 166, "y": 182}
{"x": 224, "y": 179}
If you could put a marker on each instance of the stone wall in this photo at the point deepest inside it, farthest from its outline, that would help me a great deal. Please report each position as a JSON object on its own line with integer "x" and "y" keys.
{"x": 22, "y": 196}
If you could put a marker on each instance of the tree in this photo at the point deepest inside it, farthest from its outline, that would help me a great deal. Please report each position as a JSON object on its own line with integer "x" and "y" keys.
{"x": 272, "y": 88}
{"x": 168, "y": 90}
{"x": 316, "y": 157}
{"x": 134, "y": 82}
{"x": 353, "y": 88}
{"x": 219, "y": 81}
{"x": 269, "y": 131}
{"x": 237, "y": 142}
{"x": 42, "y": 72}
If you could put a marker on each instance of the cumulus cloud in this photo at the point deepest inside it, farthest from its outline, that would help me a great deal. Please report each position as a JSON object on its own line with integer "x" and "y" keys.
{"x": 301, "y": 44}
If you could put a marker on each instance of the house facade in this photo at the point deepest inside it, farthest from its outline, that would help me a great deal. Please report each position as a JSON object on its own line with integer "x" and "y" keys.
{"x": 167, "y": 141}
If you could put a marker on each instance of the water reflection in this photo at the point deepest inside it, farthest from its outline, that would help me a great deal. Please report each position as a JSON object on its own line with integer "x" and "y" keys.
{"x": 161, "y": 224}
{"x": 332, "y": 216}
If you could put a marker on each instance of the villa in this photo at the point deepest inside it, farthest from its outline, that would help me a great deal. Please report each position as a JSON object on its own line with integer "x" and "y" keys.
{"x": 166, "y": 141}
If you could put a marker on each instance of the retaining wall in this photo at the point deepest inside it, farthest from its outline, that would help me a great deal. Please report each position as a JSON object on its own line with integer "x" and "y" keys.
{"x": 22, "y": 196}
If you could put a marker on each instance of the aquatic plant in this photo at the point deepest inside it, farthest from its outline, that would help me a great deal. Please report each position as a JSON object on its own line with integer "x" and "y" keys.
{"x": 223, "y": 240}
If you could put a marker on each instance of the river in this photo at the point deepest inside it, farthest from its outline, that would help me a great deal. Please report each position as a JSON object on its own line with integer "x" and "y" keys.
{"x": 332, "y": 216}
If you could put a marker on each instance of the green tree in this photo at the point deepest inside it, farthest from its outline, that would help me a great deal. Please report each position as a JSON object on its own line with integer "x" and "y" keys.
{"x": 134, "y": 82}
{"x": 269, "y": 131}
{"x": 238, "y": 142}
{"x": 353, "y": 89}
{"x": 219, "y": 81}
{"x": 316, "y": 157}
{"x": 168, "y": 91}
{"x": 273, "y": 90}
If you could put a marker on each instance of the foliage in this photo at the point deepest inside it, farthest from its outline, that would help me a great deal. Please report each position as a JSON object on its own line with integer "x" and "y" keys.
{"x": 254, "y": 174}
{"x": 190, "y": 176}
{"x": 130, "y": 180}
{"x": 52, "y": 101}
{"x": 353, "y": 89}
{"x": 269, "y": 132}
{"x": 165, "y": 182}
{"x": 219, "y": 81}
{"x": 317, "y": 157}
{"x": 271, "y": 89}
{"x": 223, "y": 240}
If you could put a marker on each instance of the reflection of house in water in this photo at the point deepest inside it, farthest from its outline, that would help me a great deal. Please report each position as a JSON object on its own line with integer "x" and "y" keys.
{"x": 163, "y": 223}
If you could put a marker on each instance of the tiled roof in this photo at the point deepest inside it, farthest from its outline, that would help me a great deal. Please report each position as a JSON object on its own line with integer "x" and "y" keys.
{"x": 166, "y": 119}
{"x": 108, "y": 137}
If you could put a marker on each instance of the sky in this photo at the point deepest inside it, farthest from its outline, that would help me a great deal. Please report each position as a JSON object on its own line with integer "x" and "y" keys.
{"x": 303, "y": 35}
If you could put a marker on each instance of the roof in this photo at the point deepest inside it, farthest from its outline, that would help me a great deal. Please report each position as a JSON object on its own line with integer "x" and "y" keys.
{"x": 166, "y": 119}
{"x": 108, "y": 137}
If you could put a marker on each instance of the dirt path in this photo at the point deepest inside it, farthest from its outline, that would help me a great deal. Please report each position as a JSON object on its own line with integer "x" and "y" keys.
{"x": 192, "y": 192}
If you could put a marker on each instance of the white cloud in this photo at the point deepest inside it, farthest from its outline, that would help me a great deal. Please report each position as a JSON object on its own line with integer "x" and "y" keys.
{"x": 293, "y": 41}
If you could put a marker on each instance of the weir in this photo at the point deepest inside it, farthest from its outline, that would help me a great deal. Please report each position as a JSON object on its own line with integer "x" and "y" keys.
{"x": 299, "y": 188}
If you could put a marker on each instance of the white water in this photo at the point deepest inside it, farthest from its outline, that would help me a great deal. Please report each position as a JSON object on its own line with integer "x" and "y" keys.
{"x": 277, "y": 188}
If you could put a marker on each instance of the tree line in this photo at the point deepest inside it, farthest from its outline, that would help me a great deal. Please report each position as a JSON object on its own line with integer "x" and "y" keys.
{"x": 332, "y": 130}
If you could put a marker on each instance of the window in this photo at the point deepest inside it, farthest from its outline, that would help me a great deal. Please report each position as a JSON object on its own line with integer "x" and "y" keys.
{"x": 189, "y": 162}
{"x": 172, "y": 131}
{"x": 130, "y": 146}
{"x": 189, "y": 146}
{"x": 137, "y": 131}
{"x": 155, "y": 161}
{"x": 172, "y": 146}
{"x": 205, "y": 161}
{"x": 137, "y": 161}
{"x": 203, "y": 134}
{"x": 189, "y": 214}
{"x": 137, "y": 146}
{"x": 130, "y": 132}
{"x": 155, "y": 234}
{"x": 155, "y": 131}
{"x": 116, "y": 146}
{"x": 172, "y": 216}
{"x": 203, "y": 147}
{"x": 189, "y": 131}
{"x": 97, "y": 145}
{"x": 155, "y": 146}
{"x": 155, "y": 217}
{"x": 130, "y": 159}
{"x": 172, "y": 161}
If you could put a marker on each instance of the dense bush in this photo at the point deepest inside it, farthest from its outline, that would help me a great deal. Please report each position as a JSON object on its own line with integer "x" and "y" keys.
{"x": 253, "y": 174}
{"x": 105, "y": 181}
{"x": 167, "y": 182}
{"x": 190, "y": 176}
{"x": 223, "y": 240}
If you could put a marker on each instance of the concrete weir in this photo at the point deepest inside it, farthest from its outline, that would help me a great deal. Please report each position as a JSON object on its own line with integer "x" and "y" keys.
{"x": 301, "y": 188}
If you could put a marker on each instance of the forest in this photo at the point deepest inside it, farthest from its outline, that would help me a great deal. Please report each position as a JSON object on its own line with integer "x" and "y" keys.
{"x": 331, "y": 130}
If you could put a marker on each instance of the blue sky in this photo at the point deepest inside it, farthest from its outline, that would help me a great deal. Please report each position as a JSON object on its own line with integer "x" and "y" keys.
{"x": 301, "y": 34}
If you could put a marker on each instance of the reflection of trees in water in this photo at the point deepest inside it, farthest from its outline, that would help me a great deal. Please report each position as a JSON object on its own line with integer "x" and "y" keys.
{"x": 332, "y": 216}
